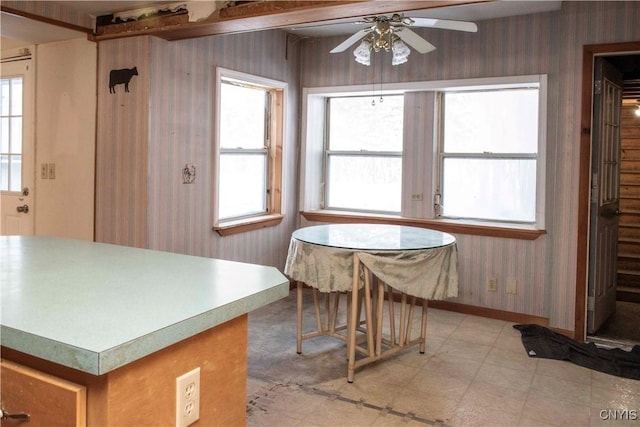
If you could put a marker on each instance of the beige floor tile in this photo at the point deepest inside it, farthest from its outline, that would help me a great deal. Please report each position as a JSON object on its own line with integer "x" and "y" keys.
{"x": 444, "y": 316}
{"x": 505, "y": 377}
{"x": 510, "y": 339}
{"x": 397, "y": 421}
{"x": 625, "y": 385}
{"x": 455, "y": 366}
{"x": 511, "y": 359}
{"x": 438, "y": 328}
{"x": 464, "y": 350}
{"x": 528, "y": 422}
{"x": 482, "y": 416}
{"x": 565, "y": 370}
{"x": 472, "y": 334}
{"x": 550, "y": 411}
{"x": 475, "y": 372}
{"x": 612, "y": 397}
{"x": 496, "y": 397}
{"x": 561, "y": 390}
{"x": 483, "y": 324}
{"x": 332, "y": 413}
{"x": 424, "y": 404}
{"x": 441, "y": 383}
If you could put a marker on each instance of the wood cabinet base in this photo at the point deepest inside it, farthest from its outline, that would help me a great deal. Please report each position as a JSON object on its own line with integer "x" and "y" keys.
{"x": 142, "y": 393}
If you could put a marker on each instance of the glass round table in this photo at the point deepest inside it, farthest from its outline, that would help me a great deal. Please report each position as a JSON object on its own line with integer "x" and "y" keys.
{"x": 405, "y": 264}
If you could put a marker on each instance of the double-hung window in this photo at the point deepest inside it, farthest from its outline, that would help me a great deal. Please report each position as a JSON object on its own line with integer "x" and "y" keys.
{"x": 363, "y": 153}
{"x": 460, "y": 152}
{"x": 248, "y": 149}
{"x": 489, "y": 155}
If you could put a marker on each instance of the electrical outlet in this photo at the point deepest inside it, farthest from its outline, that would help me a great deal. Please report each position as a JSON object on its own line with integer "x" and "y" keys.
{"x": 492, "y": 284}
{"x": 511, "y": 285}
{"x": 416, "y": 197}
{"x": 44, "y": 171}
{"x": 188, "y": 398}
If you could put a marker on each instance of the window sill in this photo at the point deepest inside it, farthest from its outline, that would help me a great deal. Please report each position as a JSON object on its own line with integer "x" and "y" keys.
{"x": 248, "y": 224}
{"x": 448, "y": 226}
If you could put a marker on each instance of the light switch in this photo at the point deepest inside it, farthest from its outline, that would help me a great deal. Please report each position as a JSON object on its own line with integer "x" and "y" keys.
{"x": 52, "y": 170}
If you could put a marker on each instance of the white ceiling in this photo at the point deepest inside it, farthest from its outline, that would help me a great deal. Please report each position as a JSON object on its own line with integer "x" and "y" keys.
{"x": 17, "y": 31}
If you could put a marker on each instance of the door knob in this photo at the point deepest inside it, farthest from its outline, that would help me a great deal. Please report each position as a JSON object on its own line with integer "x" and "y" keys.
{"x": 23, "y": 209}
{"x": 20, "y": 416}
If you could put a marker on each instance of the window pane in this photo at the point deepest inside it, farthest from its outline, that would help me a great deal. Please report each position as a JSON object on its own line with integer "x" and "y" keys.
{"x": 242, "y": 185}
{"x": 4, "y": 173}
{"x": 4, "y": 135}
{"x": 4, "y": 93}
{"x": 15, "y": 182}
{"x": 16, "y": 97}
{"x": 497, "y": 121}
{"x": 355, "y": 124}
{"x": 242, "y": 116}
{"x": 365, "y": 183}
{"x": 496, "y": 189}
{"x": 16, "y": 135}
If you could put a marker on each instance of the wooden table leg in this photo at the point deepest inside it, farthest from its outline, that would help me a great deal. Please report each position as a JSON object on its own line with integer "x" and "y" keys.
{"x": 352, "y": 322}
{"x": 299, "y": 320}
{"x": 423, "y": 326}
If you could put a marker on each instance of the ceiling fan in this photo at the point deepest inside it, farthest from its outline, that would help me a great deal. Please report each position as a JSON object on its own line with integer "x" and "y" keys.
{"x": 391, "y": 34}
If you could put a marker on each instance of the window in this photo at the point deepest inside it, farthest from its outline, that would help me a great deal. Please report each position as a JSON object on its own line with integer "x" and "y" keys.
{"x": 464, "y": 154}
{"x": 248, "y": 149}
{"x": 11, "y": 134}
{"x": 363, "y": 154}
{"x": 488, "y": 154}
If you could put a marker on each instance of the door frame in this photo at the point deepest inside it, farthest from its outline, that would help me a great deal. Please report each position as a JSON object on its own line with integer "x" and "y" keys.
{"x": 582, "y": 259}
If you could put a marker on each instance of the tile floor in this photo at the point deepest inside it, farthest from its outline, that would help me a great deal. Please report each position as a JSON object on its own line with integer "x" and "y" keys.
{"x": 475, "y": 373}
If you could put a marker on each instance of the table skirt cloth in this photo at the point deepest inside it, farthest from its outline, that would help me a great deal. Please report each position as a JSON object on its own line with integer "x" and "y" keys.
{"x": 430, "y": 274}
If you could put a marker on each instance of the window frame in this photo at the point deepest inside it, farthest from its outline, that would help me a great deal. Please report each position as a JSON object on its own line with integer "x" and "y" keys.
{"x": 312, "y": 131}
{"x": 275, "y": 133}
{"x": 442, "y": 155}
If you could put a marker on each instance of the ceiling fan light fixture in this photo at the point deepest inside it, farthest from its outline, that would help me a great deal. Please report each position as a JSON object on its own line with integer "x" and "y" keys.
{"x": 363, "y": 52}
{"x": 400, "y": 52}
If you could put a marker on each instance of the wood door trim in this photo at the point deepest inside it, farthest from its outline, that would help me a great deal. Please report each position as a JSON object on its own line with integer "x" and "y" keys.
{"x": 582, "y": 257}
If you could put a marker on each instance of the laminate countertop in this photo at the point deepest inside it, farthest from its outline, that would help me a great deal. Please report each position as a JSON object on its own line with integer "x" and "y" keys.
{"x": 95, "y": 307}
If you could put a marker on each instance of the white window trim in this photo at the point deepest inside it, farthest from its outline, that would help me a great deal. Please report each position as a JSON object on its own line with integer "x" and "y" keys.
{"x": 312, "y": 128}
{"x": 267, "y": 83}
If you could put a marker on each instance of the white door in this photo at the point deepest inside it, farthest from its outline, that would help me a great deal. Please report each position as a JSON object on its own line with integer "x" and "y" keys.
{"x": 604, "y": 207}
{"x": 17, "y": 148}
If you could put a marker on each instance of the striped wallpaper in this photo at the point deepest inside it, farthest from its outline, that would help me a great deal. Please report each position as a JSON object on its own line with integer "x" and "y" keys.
{"x": 145, "y": 139}
{"x": 171, "y": 126}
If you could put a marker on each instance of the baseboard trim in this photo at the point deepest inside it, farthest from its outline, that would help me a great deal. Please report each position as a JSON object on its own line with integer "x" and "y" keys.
{"x": 491, "y": 313}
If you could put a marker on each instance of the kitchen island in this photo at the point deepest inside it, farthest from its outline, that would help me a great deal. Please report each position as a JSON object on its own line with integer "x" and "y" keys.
{"x": 126, "y": 322}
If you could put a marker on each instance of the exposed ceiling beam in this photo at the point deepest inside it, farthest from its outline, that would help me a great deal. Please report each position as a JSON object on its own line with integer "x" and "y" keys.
{"x": 262, "y": 15}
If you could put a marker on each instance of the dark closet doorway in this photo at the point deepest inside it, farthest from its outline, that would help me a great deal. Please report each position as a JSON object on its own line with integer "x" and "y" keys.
{"x": 619, "y": 324}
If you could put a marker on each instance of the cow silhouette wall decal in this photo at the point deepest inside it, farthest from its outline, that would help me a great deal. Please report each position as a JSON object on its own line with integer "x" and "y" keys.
{"x": 122, "y": 76}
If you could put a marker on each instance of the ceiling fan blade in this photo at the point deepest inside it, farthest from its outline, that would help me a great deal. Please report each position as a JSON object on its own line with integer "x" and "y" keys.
{"x": 414, "y": 40}
{"x": 350, "y": 41}
{"x": 445, "y": 24}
